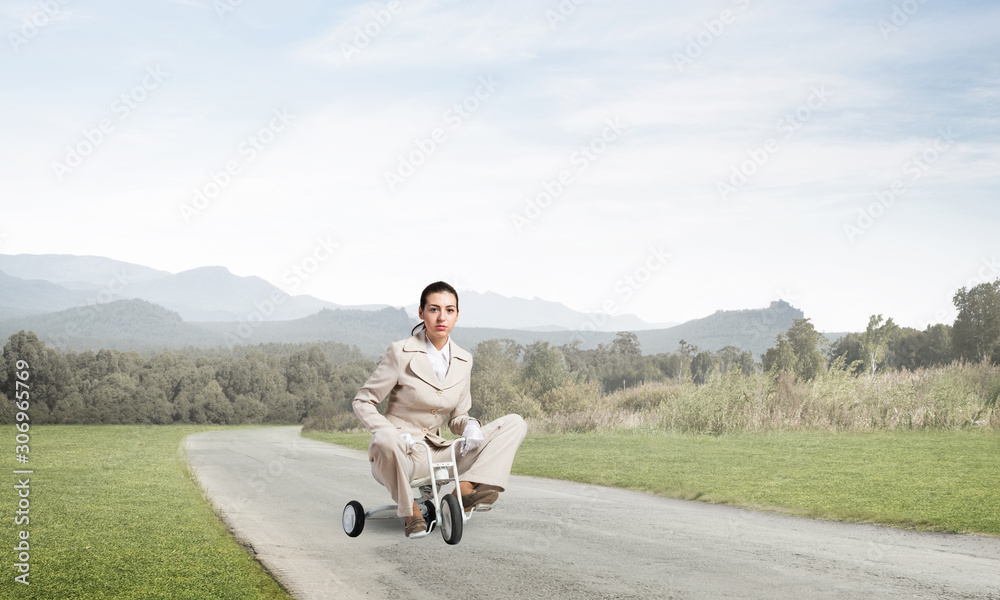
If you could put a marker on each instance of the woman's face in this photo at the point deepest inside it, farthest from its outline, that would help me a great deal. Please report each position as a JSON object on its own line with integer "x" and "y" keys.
{"x": 439, "y": 315}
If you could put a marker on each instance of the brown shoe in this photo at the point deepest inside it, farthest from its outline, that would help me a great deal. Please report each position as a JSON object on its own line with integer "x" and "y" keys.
{"x": 480, "y": 500}
{"x": 415, "y": 524}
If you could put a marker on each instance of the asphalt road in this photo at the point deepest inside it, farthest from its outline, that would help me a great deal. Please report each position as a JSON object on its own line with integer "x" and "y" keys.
{"x": 283, "y": 496}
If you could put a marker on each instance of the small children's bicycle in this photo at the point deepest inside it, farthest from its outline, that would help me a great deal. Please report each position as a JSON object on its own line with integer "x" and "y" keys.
{"x": 442, "y": 510}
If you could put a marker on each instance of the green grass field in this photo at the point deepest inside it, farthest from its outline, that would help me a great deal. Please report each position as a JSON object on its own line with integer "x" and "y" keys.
{"x": 115, "y": 514}
{"x": 936, "y": 480}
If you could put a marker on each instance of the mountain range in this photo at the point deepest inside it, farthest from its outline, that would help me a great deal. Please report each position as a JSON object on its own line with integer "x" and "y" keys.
{"x": 92, "y": 302}
{"x": 39, "y": 283}
{"x": 36, "y": 283}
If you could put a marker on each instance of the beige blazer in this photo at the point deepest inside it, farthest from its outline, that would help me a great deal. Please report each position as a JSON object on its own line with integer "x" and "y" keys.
{"x": 418, "y": 403}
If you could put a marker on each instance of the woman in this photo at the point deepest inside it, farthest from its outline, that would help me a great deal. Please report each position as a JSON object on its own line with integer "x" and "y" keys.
{"x": 426, "y": 378}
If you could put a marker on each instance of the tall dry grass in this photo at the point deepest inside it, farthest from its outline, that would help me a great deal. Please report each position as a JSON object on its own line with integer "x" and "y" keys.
{"x": 959, "y": 396}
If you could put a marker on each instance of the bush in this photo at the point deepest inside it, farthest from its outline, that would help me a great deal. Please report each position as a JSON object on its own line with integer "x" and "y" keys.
{"x": 954, "y": 397}
{"x": 571, "y": 397}
{"x": 332, "y": 422}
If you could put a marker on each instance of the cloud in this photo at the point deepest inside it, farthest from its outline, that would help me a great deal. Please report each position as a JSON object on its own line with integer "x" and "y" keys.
{"x": 428, "y": 34}
{"x": 752, "y": 77}
{"x": 193, "y": 3}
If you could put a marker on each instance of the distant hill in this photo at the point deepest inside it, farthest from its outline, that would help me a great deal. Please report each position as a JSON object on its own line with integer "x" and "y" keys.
{"x": 468, "y": 337}
{"x": 120, "y": 325}
{"x": 141, "y": 308}
{"x": 489, "y": 309}
{"x": 19, "y": 297}
{"x": 753, "y": 329}
{"x": 214, "y": 294}
{"x": 370, "y": 331}
{"x": 75, "y": 272}
{"x": 139, "y": 325}
{"x": 201, "y": 294}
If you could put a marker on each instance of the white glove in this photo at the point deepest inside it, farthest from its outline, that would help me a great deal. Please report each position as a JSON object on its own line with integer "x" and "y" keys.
{"x": 408, "y": 440}
{"x": 473, "y": 435}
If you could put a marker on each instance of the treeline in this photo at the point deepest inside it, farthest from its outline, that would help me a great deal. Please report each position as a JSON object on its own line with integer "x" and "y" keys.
{"x": 315, "y": 383}
{"x": 543, "y": 379}
{"x": 885, "y": 377}
{"x": 277, "y": 383}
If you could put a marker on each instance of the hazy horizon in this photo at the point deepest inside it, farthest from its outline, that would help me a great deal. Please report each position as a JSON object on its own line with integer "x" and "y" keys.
{"x": 668, "y": 161}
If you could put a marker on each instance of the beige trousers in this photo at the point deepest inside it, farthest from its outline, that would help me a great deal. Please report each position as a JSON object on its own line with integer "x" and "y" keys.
{"x": 395, "y": 467}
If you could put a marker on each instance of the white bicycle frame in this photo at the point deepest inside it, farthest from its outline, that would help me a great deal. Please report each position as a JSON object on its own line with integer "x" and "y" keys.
{"x": 441, "y": 473}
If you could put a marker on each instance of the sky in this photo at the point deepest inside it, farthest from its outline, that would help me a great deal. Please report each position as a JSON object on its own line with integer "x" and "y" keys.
{"x": 664, "y": 159}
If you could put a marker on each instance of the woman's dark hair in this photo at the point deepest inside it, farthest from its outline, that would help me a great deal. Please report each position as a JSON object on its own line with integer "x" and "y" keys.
{"x": 438, "y": 287}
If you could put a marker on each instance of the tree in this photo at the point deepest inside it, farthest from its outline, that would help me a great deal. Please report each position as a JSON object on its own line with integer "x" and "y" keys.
{"x": 686, "y": 350}
{"x": 307, "y": 374}
{"x": 678, "y": 364}
{"x": 112, "y": 401}
{"x": 936, "y": 348}
{"x": 214, "y": 404}
{"x": 701, "y": 367}
{"x": 875, "y": 340}
{"x": 668, "y": 364}
{"x": 903, "y": 350}
{"x": 976, "y": 333}
{"x": 544, "y": 368}
{"x": 348, "y": 379}
{"x": 731, "y": 358}
{"x": 50, "y": 377}
{"x": 780, "y": 358}
{"x": 848, "y": 348}
{"x": 496, "y": 388}
{"x": 626, "y": 345}
{"x": 248, "y": 382}
{"x": 807, "y": 344}
{"x": 797, "y": 351}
